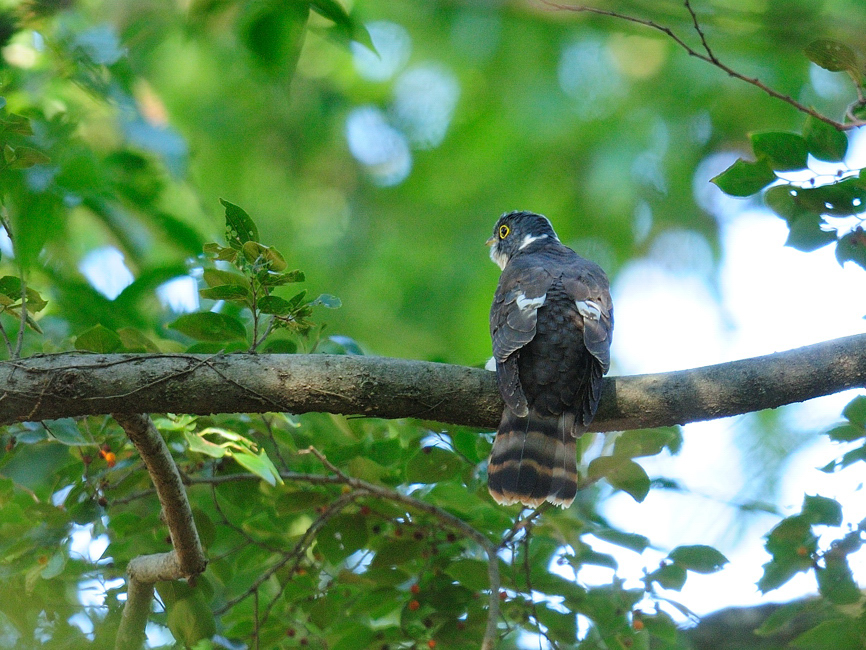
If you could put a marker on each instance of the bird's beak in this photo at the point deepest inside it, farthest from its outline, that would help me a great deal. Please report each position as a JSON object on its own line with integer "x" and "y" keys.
{"x": 490, "y": 241}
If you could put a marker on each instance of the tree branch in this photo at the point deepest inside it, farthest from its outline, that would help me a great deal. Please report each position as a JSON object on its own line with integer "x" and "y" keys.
{"x": 187, "y": 558}
{"x": 72, "y": 384}
{"x": 711, "y": 58}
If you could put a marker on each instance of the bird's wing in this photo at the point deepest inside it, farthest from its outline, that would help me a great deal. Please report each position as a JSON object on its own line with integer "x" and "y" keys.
{"x": 513, "y": 316}
{"x": 587, "y": 285}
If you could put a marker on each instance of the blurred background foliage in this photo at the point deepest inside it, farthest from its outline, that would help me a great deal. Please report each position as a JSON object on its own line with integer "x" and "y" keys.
{"x": 380, "y": 177}
{"x": 374, "y": 149}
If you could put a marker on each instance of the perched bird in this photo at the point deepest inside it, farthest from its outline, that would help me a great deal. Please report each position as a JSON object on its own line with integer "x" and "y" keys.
{"x": 551, "y": 323}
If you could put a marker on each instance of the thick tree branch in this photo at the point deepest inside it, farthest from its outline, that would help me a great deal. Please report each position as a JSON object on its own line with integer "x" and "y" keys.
{"x": 69, "y": 385}
{"x": 187, "y": 558}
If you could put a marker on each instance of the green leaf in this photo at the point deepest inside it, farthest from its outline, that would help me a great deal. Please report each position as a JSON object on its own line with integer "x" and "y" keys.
{"x": 643, "y": 442}
{"x": 67, "y": 432}
{"x": 846, "y": 433}
{"x": 782, "y": 617}
{"x": 255, "y": 252}
{"x": 191, "y": 620}
{"x": 698, "y": 558}
{"x": 831, "y": 635}
{"x": 54, "y": 567}
{"x": 279, "y": 279}
{"x": 273, "y": 32}
{"x": 825, "y": 141}
{"x": 226, "y": 292}
{"x": 777, "y": 574}
{"x": 98, "y": 339}
{"x": 832, "y": 55}
{"x": 210, "y": 326}
{"x": 745, "y": 178}
{"x": 334, "y": 11}
{"x": 218, "y": 278}
{"x": 561, "y": 626}
{"x": 842, "y": 198}
{"x": 200, "y": 445}
{"x": 471, "y": 573}
{"x": 24, "y": 157}
{"x": 135, "y": 341}
{"x": 274, "y": 305}
{"x": 432, "y": 465}
{"x": 781, "y": 150}
{"x": 631, "y": 541}
{"x": 240, "y": 228}
{"x": 669, "y": 576}
{"x": 341, "y": 536}
{"x": 327, "y": 300}
{"x": 836, "y": 582}
{"x": 821, "y": 510}
{"x": 259, "y": 464}
{"x": 280, "y": 346}
{"x": 10, "y": 287}
{"x": 623, "y": 474}
{"x": 855, "y": 411}
{"x": 805, "y": 234}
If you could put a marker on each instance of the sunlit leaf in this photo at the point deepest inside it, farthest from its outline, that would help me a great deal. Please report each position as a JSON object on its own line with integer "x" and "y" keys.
{"x": 259, "y": 464}
{"x": 202, "y": 446}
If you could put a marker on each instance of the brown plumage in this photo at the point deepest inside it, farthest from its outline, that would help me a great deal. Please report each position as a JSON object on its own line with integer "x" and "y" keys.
{"x": 551, "y": 323}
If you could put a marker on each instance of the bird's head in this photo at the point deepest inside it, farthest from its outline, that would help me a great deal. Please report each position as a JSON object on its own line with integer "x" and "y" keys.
{"x": 517, "y": 231}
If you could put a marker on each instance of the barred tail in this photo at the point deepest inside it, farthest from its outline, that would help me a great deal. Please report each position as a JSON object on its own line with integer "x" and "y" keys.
{"x": 533, "y": 460}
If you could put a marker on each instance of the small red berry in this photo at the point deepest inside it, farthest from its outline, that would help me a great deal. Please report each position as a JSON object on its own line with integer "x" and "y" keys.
{"x": 291, "y": 632}
{"x": 365, "y": 510}
{"x": 431, "y": 644}
{"x": 414, "y": 605}
{"x": 502, "y": 595}
{"x": 415, "y": 589}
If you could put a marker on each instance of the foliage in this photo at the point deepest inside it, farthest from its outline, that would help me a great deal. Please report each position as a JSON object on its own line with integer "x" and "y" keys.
{"x": 122, "y": 123}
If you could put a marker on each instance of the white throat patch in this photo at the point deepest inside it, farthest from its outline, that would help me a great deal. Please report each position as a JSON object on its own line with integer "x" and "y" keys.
{"x": 500, "y": 259}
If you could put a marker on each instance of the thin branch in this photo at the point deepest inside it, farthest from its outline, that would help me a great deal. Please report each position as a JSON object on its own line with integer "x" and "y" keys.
{"x": 710, "y": 58}
{"x": 187, "y": 558}
{"x": 70, "y": 385}
{"x": 700, "y": 32}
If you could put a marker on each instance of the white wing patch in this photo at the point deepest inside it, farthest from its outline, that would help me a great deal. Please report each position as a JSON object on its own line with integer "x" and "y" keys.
{"x": 524, "y": 303}
{"x": 491, "y": 364}
{"x": 529, "y": 239}
{"x": 588, "y": 309}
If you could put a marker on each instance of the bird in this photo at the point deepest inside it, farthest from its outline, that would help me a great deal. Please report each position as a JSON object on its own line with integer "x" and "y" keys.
{"x": 551, "y": 323}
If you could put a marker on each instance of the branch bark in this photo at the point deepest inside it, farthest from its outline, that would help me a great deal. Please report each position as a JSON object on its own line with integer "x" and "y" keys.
{"x": 73, "y": 384}
{"x": 187, "y": 558}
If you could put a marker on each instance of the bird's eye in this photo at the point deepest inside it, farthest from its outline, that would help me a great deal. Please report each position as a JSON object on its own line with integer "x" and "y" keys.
{"x": 503, "y": 231}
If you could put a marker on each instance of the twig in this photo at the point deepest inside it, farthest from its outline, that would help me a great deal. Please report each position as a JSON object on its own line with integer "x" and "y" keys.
{"x": 710, "y": 58}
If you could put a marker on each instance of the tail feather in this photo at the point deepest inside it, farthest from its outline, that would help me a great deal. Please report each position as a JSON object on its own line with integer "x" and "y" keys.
{"x": 533, "y": 460}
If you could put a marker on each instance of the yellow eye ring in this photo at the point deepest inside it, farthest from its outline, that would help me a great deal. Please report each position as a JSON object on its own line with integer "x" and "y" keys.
{"x": 503, "y": 231}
